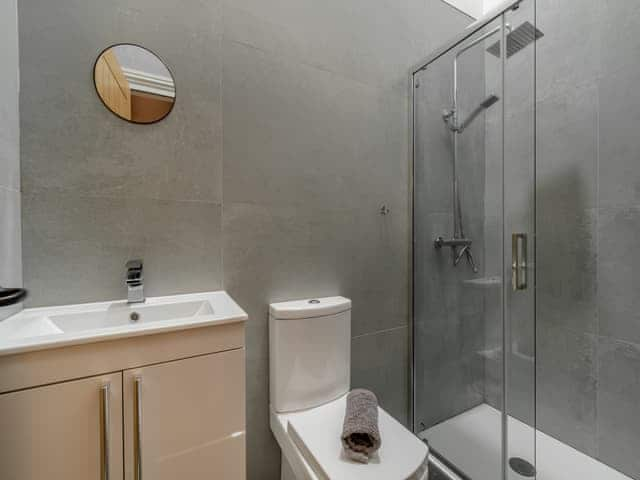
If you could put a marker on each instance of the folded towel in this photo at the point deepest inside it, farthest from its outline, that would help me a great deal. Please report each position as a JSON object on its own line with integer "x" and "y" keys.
{"x": 360, "y": 433}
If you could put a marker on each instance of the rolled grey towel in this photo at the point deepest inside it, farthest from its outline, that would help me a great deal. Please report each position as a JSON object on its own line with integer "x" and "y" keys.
{"x": 360, "y": 433}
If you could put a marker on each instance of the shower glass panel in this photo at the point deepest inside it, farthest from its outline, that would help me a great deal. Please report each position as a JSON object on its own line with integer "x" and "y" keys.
{"x": 473, "y": 250}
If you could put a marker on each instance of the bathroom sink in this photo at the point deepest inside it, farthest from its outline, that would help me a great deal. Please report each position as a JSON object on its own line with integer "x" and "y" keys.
{"x": 122, "y": 314}
{"x": 49, "y": 327}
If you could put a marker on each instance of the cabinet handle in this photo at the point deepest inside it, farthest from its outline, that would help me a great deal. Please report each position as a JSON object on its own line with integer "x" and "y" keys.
{"x": 519, "y": 264}
{"x": 138, "y": 382}
{"x": 106, "y": 430}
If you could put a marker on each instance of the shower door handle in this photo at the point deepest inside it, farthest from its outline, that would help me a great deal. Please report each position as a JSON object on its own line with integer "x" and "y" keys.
{"x": 519, "y": 261}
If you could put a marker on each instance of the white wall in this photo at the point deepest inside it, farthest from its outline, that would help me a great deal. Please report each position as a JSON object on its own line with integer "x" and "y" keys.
{"x": 470, "y": 7}
{"x": 475, "y": 8}
{"x": 491, "y": 4}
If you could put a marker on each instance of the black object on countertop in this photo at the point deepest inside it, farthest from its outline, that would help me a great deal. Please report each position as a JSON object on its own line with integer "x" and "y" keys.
{"x": 11, "y": 296}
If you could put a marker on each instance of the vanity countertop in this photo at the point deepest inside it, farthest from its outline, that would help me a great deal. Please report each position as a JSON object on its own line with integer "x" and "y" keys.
{"x": 53, "y": 327}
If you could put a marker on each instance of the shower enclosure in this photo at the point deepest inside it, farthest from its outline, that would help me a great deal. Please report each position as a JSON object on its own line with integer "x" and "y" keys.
{"x": 526, "y": 356}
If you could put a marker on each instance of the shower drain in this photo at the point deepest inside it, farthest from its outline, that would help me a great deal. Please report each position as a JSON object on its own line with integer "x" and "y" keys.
{"x": 522, "y": 467}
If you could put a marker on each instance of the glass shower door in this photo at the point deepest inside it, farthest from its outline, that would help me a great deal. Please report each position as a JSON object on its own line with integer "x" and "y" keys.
{"x": 473, "y": 245}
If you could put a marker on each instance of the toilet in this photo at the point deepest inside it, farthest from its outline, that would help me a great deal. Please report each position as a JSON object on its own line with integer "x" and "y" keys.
{"x": 309, "y": 365}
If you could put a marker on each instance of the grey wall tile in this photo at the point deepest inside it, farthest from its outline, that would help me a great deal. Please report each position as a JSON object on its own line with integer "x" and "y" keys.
{"x": 386, "y": 375}
{"x": 619, "y": 391}
{"x": 283, "y": 253}
{"x": 10, "y": 225}
{"x": 100, "y": 190}
{"x": 567, "y": 57}
{"x": 87, "y": 240}
{"x": 375, "y": 46}
{"x": 567, "y": 149}
{"x": 566, "y": 396}
{"x": 618, "y": 302}
{"x": 9, "y": 112}
{"x": 296, "y": 134}
{"x": 87, "y": 149}
{"x": 618, "y": 137}
{"x": 567, "y": 268}
{"x": 618, "y": 23}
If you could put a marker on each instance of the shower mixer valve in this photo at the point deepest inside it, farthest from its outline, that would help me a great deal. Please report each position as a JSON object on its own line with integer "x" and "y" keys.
{"x": 460, "y": 247}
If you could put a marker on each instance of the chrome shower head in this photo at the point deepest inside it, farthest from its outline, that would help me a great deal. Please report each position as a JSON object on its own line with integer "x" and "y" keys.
{"x": 486, "y": 103}
{"x": 489, "y": 101}
{"x": 517, "y": 40}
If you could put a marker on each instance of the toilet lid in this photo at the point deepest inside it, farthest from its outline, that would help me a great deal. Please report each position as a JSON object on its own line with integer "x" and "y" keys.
{"x": 316, "y": 433}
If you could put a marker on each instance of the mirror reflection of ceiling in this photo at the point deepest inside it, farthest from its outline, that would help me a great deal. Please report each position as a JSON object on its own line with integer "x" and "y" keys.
{"x": 134, "y": 84}
{"x": 137, "y": 64}
{"x": 474, "y": 8}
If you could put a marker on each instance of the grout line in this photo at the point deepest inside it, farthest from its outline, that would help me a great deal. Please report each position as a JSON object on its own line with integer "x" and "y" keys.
{"x": 222, "y": 155}
{"x": 9, "y": 189}
{"x": 377, "y": 332}
{"x": 597, "y": 266}
{"x": 388, "y": 88}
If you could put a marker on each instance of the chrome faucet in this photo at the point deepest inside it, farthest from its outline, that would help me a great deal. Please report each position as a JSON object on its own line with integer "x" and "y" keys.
{"x": 135, "y": 282}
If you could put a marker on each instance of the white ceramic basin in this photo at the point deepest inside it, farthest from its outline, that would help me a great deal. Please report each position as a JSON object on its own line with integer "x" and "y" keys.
{"x": 49, "y": 327}
{"x": 122, "y": 314}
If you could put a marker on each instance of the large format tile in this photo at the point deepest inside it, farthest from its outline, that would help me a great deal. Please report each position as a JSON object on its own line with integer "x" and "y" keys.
{"x": 374, "y": 45}
{"x": 86, "y": 241}
{"x": 10, "y": 226}
{"x": 569, "y": 53}
{"x": 619, "y": 23}
{"x": 87, "y": 149}
{"x": 567, "y": 149}
{"x": 619, "y": 391}
{"x": 283, "y": 253}
{"x": 380, "y": 363}
{"x": 449, "y": 389}
{"x": 618, "y": 264}
{"x": 618, "y": 138}
{"x": 567, "y": 387}
{"x": 263, "y": 452}
{"x": 294, "y": 134}
{"x": 567, "y": 282}
{"x": 9, "y": 88}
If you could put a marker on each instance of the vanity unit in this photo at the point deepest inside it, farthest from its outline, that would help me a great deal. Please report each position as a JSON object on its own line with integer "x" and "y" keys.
{"x": 113, "y": 391}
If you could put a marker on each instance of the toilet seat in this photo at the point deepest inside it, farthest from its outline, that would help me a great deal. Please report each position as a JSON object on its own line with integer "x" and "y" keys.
{"x": 310, "y": 440}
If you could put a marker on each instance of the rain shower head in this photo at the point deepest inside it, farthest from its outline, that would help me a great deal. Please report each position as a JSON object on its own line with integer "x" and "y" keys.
{"x": 517, "y": 40}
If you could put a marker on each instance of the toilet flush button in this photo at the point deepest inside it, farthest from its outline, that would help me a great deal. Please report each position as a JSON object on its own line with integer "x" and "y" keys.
{"x": 314, "y": 301}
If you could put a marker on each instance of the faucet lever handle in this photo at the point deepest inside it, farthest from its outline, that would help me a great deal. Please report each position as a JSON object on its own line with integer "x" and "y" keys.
{"x": 134, "y": 271}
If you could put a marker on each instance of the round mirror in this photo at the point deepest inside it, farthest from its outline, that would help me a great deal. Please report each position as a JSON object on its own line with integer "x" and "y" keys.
{"x": 134, "y": 83}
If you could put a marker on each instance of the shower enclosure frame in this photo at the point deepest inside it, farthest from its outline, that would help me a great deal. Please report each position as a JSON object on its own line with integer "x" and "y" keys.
{"x": 466, "y": 34}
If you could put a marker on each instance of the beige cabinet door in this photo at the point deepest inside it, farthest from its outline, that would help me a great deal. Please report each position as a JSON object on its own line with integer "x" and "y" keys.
{"x": 65, "y": 431}
{"x": 186, "y": 419}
